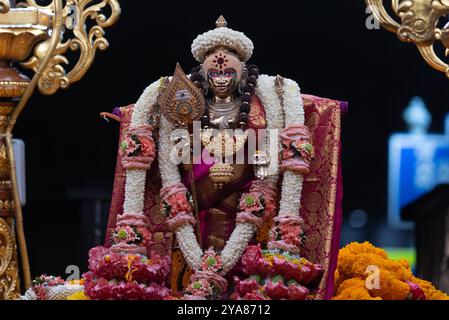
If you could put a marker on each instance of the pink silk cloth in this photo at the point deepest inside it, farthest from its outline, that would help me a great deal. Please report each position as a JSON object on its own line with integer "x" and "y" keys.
{"x": 321, "y": 202}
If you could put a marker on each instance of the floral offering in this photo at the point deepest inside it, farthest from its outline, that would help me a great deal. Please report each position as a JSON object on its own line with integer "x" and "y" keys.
{"x": 177, "y": 203}
{"x": 212, "y": 261}
{"x": 274, "y": 274}
{"x": 131, "y": 235}
{"x": 52, "y": 288}
{"x": 102, "y": 289}
{"x": 112, "y": 275}
{"x": 253, "y": 202}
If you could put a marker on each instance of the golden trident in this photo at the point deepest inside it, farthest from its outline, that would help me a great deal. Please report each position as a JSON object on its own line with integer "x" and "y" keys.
{"x": 31, "y": 34}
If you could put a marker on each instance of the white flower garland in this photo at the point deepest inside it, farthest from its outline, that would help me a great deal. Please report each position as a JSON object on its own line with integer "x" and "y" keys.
{"x": 266, "y": 92}
{"x": 144, "y": 106}
{"x": 243, "y": 232}
{"x": 168, "y": 168}
{"x": 135, "y": 179}
{"x": 134, "y": 191}
{"x": 236, "y": 245}
{"x": 292, "y": 183}
{"x": 170, "y": 176}
{"x": 190, "y": 248}
{"x": 185, "y": 235}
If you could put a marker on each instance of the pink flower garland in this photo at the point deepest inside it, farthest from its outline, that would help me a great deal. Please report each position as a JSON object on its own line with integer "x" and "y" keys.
{"x": 207, "y": 283}
{"x": 258, "y": 205}
{"x": 131, "y": 235}
{"x": 177, "y": 206}
{"x": 138, "y": 148}
{"x": 269, "y": 194}
{"x": 297, "y": 150}
{"x": 131, "y": 226}
{"x": 287, "y": 234}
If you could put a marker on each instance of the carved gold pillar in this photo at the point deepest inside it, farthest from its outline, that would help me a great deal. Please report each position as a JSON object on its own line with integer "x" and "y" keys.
{"x": 9, "y": 274}
{"x": 31, "y": 34}
{"x": 16, "y": 43}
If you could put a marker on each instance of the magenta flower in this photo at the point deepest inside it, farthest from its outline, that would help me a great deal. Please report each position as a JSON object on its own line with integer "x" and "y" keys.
{"x": 255, "y": 295}
{"x": 245, "y": 286}
{"x": 416, "y": 293}
{"x": 250, "y": 259}
{"x": 285, "y": 268}
{"x": 276, "y": 290}
{"x": 297, "y": 292}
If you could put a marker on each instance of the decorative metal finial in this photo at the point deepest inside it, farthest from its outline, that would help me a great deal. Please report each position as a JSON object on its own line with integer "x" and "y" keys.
{"x": 5, "y": 5}
{"x": 221, "y": 22}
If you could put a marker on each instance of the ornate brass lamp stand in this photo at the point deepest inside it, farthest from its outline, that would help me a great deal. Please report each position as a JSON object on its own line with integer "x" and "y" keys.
{"x": 29, "y": 28}
{"x": 420, "y": 22}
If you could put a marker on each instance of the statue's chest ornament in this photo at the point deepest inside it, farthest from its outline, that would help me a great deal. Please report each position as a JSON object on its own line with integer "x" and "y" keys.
{"x": 224, "y": 143}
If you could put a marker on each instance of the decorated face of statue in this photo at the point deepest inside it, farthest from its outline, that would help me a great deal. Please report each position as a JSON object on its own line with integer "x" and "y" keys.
{"x": 223, "y": 71}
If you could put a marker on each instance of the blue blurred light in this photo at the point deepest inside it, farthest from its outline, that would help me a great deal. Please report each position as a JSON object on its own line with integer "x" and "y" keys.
{"x": 418, "y": 161}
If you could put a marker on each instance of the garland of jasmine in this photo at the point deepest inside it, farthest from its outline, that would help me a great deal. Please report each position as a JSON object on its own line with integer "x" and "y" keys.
{"x": 171, "y": 179}
{"x": 243, "y": 231}
{"x": 292, "y": 183}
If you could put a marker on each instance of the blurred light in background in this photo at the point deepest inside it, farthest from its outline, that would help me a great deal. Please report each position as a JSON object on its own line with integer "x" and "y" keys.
{"x": 358, "y": 219}
{"x": 418, "y": 161}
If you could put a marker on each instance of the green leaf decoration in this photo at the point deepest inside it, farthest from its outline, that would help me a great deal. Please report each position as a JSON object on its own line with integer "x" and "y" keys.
{"x": 122, "y": 234}
{"x": 211, "y": 262}
{"x": 124, "y": 145}
{"x": 278, "y": 278}
{"x": 308, "y": 147}
{"x": 249, "y": 201}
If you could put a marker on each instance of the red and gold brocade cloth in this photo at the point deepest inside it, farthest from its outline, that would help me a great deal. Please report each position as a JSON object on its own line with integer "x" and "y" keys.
{"x": 320, "y": 206}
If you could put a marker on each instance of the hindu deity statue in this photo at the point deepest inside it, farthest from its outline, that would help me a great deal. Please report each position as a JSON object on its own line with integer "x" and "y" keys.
{"x": 228, "y": 185}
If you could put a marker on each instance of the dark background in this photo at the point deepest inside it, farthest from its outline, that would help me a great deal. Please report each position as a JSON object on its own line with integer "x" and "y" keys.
{"x": 325, "y": 46}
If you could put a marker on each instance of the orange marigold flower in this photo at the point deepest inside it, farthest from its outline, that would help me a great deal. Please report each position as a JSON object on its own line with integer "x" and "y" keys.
{"x": 352, "y": 272}
{"x": 352, "y": 289}
{"x": 429, "y": 290}
{"x": 391, "y": 288}
{"x": 365, "y": 247}
{"x": 351, "y": 283}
